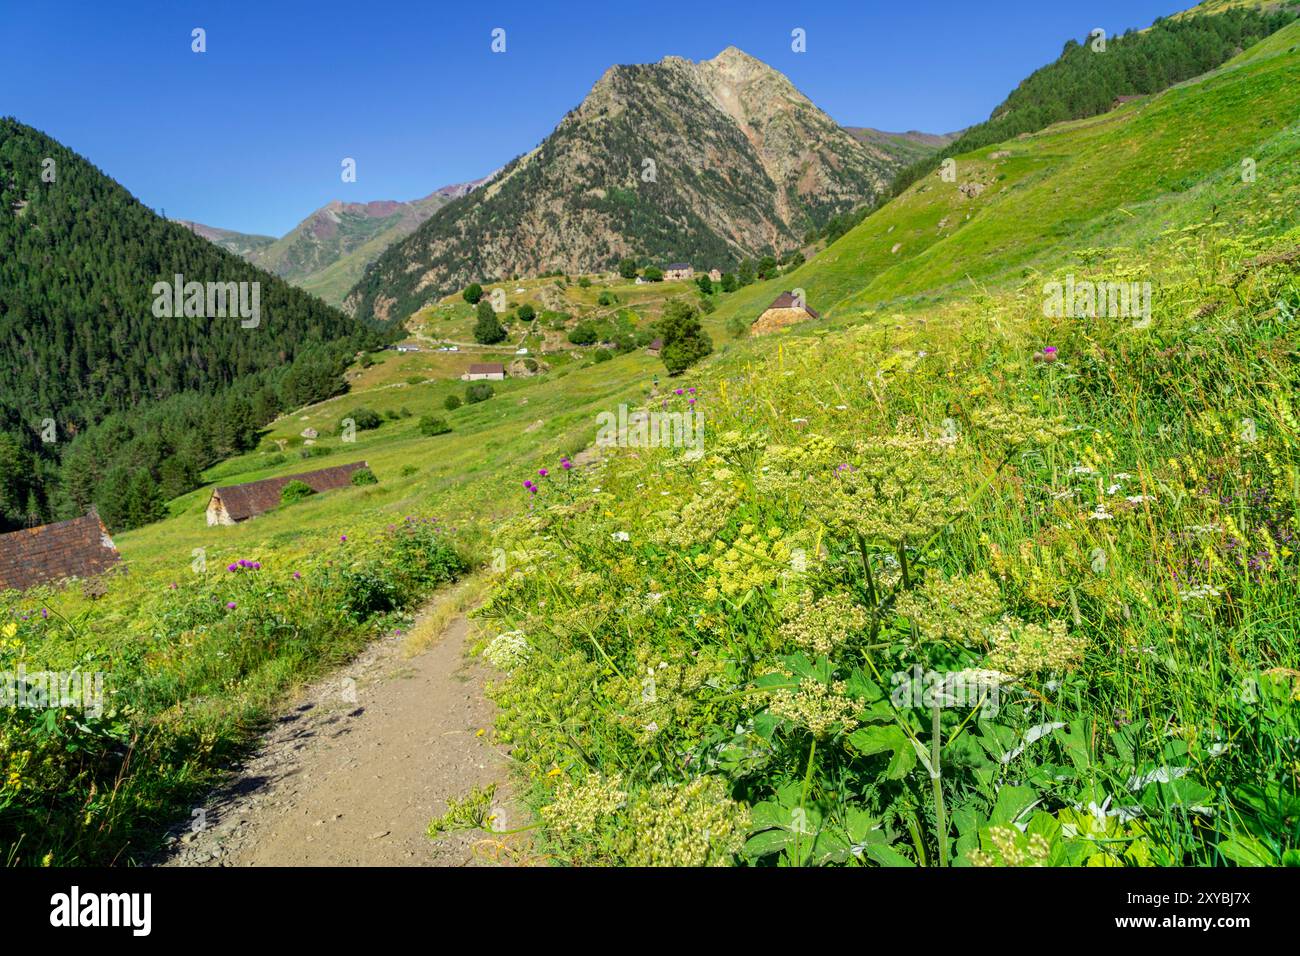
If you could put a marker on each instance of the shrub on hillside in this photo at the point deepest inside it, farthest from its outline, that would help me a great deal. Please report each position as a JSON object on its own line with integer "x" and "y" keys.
{"x": 487, "y": 328}
{"x": 364, "y": 476}
{"x": 584, "y": 333}
{"x": 362, "y": 419}
{"x": 431, "y": 425}
{"x": 479, "y": 392}
{"x": 295, "y": 491}
{"x": 473, "y": 292}
{"x": 451, "y": 402}
{"x": 685, "y": 341}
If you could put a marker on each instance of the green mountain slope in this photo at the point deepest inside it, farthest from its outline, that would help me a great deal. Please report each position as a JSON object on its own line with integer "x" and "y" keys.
{"x": 1089, "y": 78}
{"x": 86, "y": 364}
{"x": 1096, "y": 542}
{"x": 240, "y": 243}
{"x": 1111, "y": 180}
{"x": 905, "y": 148}
{"x": 329, "y": 250}
{"x": 709, "y": 162}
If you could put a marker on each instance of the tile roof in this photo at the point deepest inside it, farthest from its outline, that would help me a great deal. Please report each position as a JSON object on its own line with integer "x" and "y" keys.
{"x": 77, "y": 548}
{"x": 254, "y": 497}
{"x": 487, "y": 368}
{"x": 786, "y": 300}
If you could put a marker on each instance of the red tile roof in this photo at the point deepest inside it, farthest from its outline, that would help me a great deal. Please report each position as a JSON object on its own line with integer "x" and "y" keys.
{"x": 254, "y": 497}
{"x": 487, "y": 368}
{"x": 78, "y": 548}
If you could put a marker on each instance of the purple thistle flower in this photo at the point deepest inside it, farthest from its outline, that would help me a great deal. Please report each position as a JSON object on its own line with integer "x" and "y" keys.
{"x": 230, "y": 605}
{"x": 343, "y": 538}
{"x": 677, "y": 391}
{"x": 297, "y": 576}
{"x": 543, "y": 472}
{"x": 528, "y": 485}
{"x": 566, "y": 464}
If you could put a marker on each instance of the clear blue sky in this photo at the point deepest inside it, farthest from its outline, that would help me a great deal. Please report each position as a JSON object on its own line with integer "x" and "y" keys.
{"x": 250, "y": 135}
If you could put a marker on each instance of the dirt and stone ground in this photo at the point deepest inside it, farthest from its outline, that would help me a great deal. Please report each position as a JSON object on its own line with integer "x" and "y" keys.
{"x": 352, "y": 773}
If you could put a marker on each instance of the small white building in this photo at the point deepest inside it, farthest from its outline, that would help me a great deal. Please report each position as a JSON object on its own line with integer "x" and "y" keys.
{"x": 408, "y": 346}
{"x": 492, "y": 371}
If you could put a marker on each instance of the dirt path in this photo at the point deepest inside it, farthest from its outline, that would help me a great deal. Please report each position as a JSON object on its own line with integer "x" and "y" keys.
{"x": 354, "y": 771}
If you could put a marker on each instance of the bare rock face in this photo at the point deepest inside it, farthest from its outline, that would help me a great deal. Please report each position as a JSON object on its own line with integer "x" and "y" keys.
{"x": 706, "y": 162}
{"x": 527, "y": 367}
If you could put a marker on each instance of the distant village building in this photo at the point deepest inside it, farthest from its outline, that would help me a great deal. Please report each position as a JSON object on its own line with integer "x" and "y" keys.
{"x": 677, "y": 271}
{"x": 408, "y": 346}
{"x": 784, "y": 310}
{"x": 493, "y": 371}
{"x": 655, "y": 347}
{"x": 715, "y": 275}
{"x": 79, "y": 548}
{"x": 235, "y": 503}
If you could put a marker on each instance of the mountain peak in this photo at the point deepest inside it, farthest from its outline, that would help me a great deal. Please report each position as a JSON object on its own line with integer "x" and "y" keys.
{"x": 734, "y": 54}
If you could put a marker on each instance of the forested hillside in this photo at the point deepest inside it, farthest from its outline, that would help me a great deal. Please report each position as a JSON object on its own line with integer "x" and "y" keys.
{"x": 84, "y": 361}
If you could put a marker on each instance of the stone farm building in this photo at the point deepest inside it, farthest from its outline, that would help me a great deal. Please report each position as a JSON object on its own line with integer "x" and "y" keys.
{"x": 655, "y": 347}
{"x": 676, "y": 271}
{"x": 489, "y": 370}
{"x": 784, "y": 310}
{"x": 235, "y": 503}
{"x": 79, "y": 548}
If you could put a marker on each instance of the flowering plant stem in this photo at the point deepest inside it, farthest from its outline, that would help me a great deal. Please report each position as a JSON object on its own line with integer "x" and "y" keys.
{"x": 936, "y": 778}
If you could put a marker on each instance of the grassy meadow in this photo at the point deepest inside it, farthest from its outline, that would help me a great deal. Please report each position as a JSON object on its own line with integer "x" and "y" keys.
{"x": 953, "y": 583}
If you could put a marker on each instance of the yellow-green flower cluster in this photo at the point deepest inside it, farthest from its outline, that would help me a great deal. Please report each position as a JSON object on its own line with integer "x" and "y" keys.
{"x": 1012, "y": 848}
{"x": 700, "y": 519}
{"x": 1020, "y": 647}
{"x": 584, "y": 808}
{"x": 822, "y": 625}
{"x": 785, "y": 469}
{"x": 898, "y": 488}
{"x": 696, "y": 824}
{"x": 756, "y": 559}
{"x": 953, "y": 609}
{"x": 658, "y": 693}
{"x": 1012, "y": 427}
{"x": 819, "y": 707}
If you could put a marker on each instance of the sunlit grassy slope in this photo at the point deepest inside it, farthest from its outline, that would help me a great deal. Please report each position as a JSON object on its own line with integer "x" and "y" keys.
{"x": 1120, "y": 179}
{"x": 942, "y": 328}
